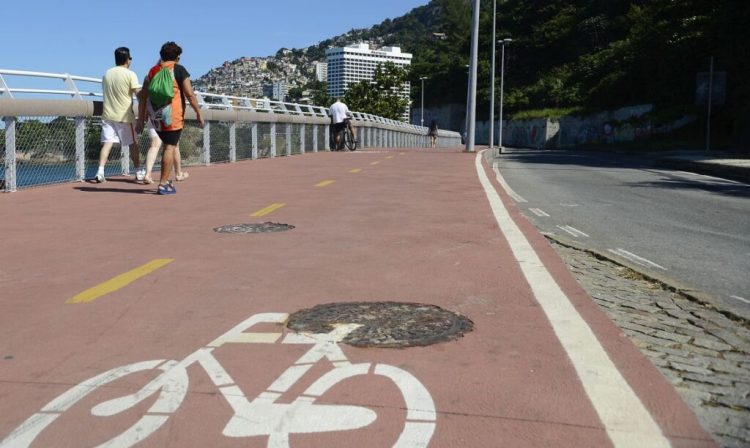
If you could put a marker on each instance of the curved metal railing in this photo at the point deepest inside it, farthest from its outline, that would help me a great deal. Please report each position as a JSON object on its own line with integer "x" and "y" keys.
{"x": 46, "y": 141}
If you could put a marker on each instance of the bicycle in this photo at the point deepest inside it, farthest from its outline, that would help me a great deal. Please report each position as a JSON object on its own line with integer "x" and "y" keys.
{"x": 348, "y": 139}
{"x": 260, "y": 417}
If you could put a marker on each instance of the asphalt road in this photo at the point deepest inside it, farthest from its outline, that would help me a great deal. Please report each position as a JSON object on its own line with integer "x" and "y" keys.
{"x": 690, "y": 229}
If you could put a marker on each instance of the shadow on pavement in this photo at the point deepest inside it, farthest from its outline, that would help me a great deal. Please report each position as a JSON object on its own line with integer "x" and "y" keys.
{"x": 113, "y": 190}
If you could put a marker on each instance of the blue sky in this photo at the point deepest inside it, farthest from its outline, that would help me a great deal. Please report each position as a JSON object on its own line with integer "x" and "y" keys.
{"x": 79, "y": 37}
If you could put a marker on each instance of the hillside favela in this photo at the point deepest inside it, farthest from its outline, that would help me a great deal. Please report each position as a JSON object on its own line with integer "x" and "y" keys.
{"x": 402, "y": 223}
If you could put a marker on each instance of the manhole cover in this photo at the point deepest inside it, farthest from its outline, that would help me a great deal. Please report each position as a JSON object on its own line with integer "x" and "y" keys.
{"x": 385, "y": 324}
{"x": 263, "y": 227}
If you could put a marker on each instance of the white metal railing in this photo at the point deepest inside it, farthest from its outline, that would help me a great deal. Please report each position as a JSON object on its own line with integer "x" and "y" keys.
{"x": 60, "y": 148}
{"x": 225, "y": 102}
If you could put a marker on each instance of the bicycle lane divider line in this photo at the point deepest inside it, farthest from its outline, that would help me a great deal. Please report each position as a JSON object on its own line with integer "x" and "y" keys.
{"x": 375, "y": 162}
{"x": 355, "y": 170}
{"x": 119, "y": 281}
{"x": 626, "y": 420}
{"x": 267, "y": 210}
{"x": 324, "y": 183}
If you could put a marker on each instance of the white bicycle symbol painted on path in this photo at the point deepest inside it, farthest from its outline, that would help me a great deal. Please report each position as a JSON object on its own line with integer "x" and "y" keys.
{"x": 262, "y": 416}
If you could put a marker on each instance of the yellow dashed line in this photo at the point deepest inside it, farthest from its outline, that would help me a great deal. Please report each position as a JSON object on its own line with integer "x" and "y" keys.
{"x": 389, "y": 157}
{"x": 269, "y": 209}
{"x": 374, "y": 163}
{"x": 401, "y": 153}
{"x": 120, "y": 281}
{"x": 325, "y": 183}
{"x": 355, "y": 170}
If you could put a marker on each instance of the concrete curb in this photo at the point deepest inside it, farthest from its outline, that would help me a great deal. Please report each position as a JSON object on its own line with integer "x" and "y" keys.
{"x": 665, "y": 282}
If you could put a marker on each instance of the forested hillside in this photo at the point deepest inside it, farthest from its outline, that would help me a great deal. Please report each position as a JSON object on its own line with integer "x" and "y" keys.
{"x": 586, "y": 54}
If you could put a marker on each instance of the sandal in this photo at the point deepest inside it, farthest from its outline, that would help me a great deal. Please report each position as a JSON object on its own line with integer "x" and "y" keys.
{"x": 182, "y": 176}
{"x": 147, "y": 180}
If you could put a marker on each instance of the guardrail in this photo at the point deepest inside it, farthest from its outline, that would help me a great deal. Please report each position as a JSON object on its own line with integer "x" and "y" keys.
{"x": 46, "y": 141}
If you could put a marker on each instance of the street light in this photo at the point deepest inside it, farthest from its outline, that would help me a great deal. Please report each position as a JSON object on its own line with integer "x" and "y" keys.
{"x": 472, "y": 97}
{"x": 422, "y": 119}
{"x": 492, "y": 79}
{"x": 502, "y": 76}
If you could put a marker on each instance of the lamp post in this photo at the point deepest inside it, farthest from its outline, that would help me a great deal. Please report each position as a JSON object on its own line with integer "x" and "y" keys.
{"x": 502, "y": 76}
{"x": 472, "y": 99}
{"x": 422, "y": 119}
{"x": 492, "y": 80}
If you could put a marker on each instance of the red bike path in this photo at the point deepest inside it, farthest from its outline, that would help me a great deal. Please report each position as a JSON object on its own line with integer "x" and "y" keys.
{"x": 394, "y": 225}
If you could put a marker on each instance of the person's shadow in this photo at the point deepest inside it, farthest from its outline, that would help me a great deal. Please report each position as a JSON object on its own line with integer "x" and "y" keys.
{"x": 105, "y": 189}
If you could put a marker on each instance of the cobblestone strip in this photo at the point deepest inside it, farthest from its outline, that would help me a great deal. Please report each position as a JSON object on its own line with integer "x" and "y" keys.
{"x": 704, "y": 354}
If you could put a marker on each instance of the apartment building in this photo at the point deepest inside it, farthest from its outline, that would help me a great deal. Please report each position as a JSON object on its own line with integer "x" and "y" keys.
{"x": 353, "y": 63}
{"x": 321, "y": 71}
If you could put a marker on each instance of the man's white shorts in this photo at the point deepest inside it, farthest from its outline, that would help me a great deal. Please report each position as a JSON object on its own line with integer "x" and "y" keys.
{"x": 118, "y": 132}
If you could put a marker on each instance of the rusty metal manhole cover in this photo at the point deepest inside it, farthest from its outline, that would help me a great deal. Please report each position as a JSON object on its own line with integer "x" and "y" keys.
{"x": 263, "y": 227}
{"x": 385, "y": 324}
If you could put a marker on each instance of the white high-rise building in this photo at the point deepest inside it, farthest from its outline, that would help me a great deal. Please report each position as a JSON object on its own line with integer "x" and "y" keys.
{"x": 354, "y": 63}
{"x": 321, "y": 71}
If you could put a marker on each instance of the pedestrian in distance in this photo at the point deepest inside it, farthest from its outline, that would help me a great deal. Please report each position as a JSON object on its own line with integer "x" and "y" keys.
{"x": 118, "y": 87}
{"x": 167, "y": 110}
{"x": 433, "y": 133}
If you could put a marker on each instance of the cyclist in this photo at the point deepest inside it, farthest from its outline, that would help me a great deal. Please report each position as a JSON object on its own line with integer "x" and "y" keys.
{"x": 341, "y": 120}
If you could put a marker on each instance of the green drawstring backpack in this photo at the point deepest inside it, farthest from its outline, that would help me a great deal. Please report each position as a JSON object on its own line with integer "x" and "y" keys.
{"x": 160, "y": 89}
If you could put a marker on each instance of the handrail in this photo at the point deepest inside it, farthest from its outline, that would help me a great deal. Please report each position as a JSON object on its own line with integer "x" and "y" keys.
{"x": 226, "y": 102}
{"x": 39, "y": 158}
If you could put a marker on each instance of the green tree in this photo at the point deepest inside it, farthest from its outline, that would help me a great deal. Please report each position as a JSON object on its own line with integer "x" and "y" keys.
{"x": 318, "y": 93}
{"x": 32, "y": 136}
{"x": 381, "y": 96}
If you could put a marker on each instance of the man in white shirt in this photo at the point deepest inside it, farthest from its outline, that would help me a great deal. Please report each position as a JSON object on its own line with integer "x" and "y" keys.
{"x": 118, "y": 87}
{"x": 340, "y": 118}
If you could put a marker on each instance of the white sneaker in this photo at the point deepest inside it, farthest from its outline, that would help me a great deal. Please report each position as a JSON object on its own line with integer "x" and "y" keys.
{"x": 100, "y": 178}
{"x": 140, "y": 175}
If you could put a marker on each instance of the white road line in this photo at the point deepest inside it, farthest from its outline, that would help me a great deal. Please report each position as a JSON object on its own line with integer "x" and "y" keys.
{"x": 573, "y": 231}
{"x": 627, "y": 422}
{"x": 569, "y": 205}
{"x": 742, "y": 299}
{"x": 516, "y": 197}
{"x": 539, "y": 212}
{"x": 635, "y": 258}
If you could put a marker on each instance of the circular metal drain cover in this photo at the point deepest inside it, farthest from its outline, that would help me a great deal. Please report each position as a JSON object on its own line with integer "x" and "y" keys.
{"x": 384, "y": 324}
{"x": 264, "y": 227}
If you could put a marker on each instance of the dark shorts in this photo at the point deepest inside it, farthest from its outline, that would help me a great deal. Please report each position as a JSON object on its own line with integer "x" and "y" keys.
{"x": 338, "y": 127}
{"x": 170, "y": 137}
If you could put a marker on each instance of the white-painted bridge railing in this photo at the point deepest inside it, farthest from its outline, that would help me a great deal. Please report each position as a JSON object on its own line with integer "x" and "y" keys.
{"x": 45, "y": 139}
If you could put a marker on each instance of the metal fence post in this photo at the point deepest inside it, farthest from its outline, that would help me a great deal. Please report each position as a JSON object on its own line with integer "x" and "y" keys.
{"x": 254, "y": 131}
{"x": 315, "y": 137}
{"x": 288, "y": 139}
{"x": 80, "y": 148}
{"x": 125, "y": 159}
{"x": 206, "y": 153}
{"x": 327, "y": 137}
{"x": 273, "y": 140}
{"x": 302, "y": 138}
{"x": 233, "y": 142}
{"x": 10, "y": 154}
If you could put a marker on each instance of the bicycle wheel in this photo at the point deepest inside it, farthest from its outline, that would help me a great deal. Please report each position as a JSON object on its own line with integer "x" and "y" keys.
{"x": 420, "y": 408}
{"x": 171, "y": 385}
{"x": 351, "y": 143}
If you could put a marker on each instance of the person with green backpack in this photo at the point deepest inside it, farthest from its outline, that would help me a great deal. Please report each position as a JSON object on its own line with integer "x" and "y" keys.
{"x": 165, "y": 91}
